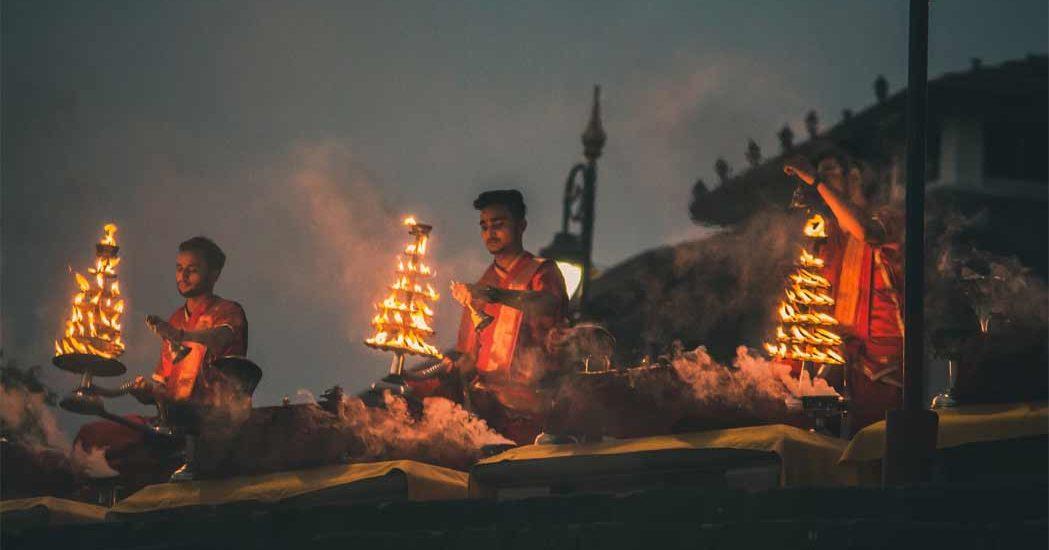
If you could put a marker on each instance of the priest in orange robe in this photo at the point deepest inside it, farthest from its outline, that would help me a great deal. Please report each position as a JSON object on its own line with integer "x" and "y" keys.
{"x": 862, "y": 263}
{"x": 508, "y": 315}
{"x": 205, "y": 328}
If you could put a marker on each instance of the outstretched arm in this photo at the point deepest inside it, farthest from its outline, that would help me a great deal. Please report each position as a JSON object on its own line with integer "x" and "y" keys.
{"x": 850, "y": 218}
{"x": 214, "y": 338}
{"x": 529, "y": 301}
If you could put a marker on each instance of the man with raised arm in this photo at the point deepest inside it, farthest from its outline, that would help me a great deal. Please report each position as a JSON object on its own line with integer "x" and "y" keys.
{"x": 862, "y": 259}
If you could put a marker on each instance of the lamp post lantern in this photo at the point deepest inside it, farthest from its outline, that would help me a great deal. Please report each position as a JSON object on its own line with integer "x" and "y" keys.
{"x": 573, "y": 252}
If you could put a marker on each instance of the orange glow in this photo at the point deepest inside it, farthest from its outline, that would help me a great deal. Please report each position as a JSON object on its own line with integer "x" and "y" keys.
{"x": 94, "y": 323}
{"x": 805, "y": 277}
{"x": 403, "y": 321}
{"x": 803, "y": 334}
{"x": 808, "y": 260}
{"x": 816, "y": 227}
{"x": 798, "y": 295}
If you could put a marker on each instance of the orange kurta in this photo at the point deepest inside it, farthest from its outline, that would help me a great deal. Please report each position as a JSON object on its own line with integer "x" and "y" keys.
{"x": 868, "y": 294}
{"x": 513, "y": 332}
{"x": 180, "y": 369}
{"x": 125, "y": 449}
{"x": 510, "y": 355}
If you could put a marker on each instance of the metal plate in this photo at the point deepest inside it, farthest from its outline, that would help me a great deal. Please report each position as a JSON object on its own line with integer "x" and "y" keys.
{"x": 242, "y": 372}
{"x": 94, "y": 365}
{"x": 80, "y": 403}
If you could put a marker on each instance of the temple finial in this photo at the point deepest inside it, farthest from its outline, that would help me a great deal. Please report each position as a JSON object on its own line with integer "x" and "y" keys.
{"x": 594, "y": 136}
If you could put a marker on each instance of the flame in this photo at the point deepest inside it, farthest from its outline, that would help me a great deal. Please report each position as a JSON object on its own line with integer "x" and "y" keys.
{"x": 807, "y": 353}
{"x": 413, "y": 267}
{"x": 110, "y": 237}
{"x": 807, "y": 297}
{"x": 816, "y": 227}
{"x": 403, "y": 320}
{"x": 803, "y": 335}
{"x": 94, "y": 323}
{"x": 788, "y": 314}
{"x": 82, "y": 282}
{"x": 804, "y": 277}
{"x": 808, "y": 260}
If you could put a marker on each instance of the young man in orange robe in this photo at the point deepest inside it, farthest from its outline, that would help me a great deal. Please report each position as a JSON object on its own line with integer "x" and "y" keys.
{"x": 503, "y": 356}
{"x": 205, "y": 328}
{"x": 862, "y": 262}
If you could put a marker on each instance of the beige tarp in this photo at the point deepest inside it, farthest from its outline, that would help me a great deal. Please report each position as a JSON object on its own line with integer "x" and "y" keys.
{"x": 424, "y": 482}
{"x": 807, "y": 458}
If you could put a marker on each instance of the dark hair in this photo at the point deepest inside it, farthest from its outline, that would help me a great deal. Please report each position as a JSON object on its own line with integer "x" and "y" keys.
{"x": 212, "y": 254}
{"x": 839, "y": 154}
{"x": 845, "y": 158}
{"x": 510, "y": 198}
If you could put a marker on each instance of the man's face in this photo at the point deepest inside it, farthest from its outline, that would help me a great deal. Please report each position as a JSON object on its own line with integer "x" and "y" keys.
{"x": 192, "y": 275}
{"x": 500, "y": 231}
{"x": 831, "y": 172}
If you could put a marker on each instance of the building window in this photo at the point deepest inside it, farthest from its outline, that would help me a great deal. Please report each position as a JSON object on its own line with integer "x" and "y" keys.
{"x": 1015, "y": 150}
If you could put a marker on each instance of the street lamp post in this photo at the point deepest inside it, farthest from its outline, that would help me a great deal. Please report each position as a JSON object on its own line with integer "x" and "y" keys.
{"x": 911, "y": 432}
{"x": 574, "y": 251}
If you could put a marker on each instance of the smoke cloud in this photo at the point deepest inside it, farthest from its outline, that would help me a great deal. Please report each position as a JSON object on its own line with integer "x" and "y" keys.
{"x": 444, "y": 433}
{"x": 347, "y": 430}
{"x": 28, "y": 419}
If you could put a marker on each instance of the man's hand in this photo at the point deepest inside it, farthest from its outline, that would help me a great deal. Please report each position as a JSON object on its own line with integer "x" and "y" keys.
{"x": 800, "y": 171}
{"x": 164, "y": 329}
{"x": 471, "y": 296}
{"x": 142, "y": 390}
{"x": 447, "y": 364}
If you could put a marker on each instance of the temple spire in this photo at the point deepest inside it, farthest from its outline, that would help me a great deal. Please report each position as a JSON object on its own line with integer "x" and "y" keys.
{"x": 594, "y": 136}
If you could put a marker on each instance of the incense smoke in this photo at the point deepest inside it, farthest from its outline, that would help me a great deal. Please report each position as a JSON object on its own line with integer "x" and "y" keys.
{"x": 347, "y": 430}
{"x": 444, "y": 433}
{"x": 27, "y": 418}
{"x": 720, "y": 291}
{"x": 751, "y": 382}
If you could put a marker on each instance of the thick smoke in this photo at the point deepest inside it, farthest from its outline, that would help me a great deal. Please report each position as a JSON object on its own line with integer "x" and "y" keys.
{"x": 345, "y": 429}
{"x": 27, "y": 418}
{"x": 679, "y": 390}
{"x": 443, "y": 434}
{"x": 720, "y": 291}
{"x": 748, "y": 383}
{"x": 985, "y": 310}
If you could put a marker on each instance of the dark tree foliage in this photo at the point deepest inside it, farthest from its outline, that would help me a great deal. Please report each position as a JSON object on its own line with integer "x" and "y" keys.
{"x": 753, "y": 153}
{"x": 881, "y": 88}
{"x": 786, "y": 138}
{"x": 812, "y": 124}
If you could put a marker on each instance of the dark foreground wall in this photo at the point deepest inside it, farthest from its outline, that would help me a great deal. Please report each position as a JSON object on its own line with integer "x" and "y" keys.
{"x": 956, "y": 517}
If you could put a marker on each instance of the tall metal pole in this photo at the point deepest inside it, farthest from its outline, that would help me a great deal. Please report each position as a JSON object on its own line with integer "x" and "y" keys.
{"x": 587, "y": 230}
{"x": 593, "y": 142}
{"x": 917, "y": 103}
{"x": 910, "y": 434}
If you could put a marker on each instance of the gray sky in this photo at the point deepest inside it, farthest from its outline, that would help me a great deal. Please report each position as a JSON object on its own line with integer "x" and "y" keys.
{"x": 297, "y": 133}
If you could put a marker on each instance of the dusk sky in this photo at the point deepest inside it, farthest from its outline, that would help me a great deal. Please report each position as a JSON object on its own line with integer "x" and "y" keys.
{"x": 296, "y": 134}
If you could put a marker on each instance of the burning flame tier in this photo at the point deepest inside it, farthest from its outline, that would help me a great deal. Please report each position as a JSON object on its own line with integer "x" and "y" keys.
{"x": 804, "y": 333}
{"x": 94, "y": 323}
{"x": 404, "y": 318}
